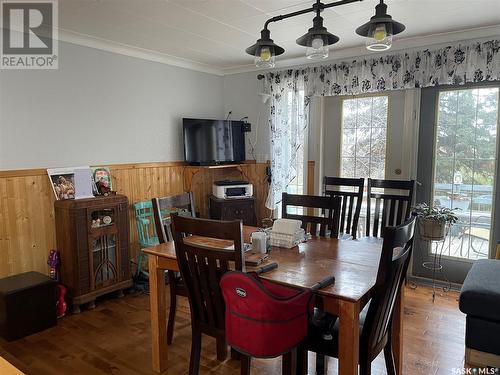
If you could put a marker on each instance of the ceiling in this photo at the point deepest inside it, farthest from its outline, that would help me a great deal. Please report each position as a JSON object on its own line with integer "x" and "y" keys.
{"x": 213, "y": 34}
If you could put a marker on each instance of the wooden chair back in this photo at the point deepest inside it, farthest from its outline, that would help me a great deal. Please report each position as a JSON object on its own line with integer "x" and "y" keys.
{"x": 396, "y": 253}
{"x": 327, "y": 221}
{"x": 183, "y": 204}
{"x": 202, "y": 267}
{"x": 352, "y": 198}
{"x": 390, "y": 208}
{"x": 144, "y": 220}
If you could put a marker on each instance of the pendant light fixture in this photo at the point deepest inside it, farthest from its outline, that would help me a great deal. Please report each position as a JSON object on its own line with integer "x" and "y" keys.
{"x": 380, "y": 29}
{"x": 317, "y": 39}
{"x": 265, "y": 51}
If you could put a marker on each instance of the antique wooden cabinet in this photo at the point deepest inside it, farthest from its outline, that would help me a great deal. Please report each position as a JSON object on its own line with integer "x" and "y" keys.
{"x": 93, "y": 240}
{"x": 233, "y": 209}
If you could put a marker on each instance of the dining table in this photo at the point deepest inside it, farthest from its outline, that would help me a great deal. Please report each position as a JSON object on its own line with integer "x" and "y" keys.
{"x": 353, "y": 263}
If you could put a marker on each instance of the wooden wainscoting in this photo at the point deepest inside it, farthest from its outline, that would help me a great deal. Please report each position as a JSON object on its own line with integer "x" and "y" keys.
{"x": 27, "y": 229}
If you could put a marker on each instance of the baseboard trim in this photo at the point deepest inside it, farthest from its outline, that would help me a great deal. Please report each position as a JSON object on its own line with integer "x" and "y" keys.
{"x": 478, "y": 358}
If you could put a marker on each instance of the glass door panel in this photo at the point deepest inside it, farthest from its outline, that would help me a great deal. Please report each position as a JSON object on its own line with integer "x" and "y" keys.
{"x": 459, "y": 169}
{"x": 465, "y": 161}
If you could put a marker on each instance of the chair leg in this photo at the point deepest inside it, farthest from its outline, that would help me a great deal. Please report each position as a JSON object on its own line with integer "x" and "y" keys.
{"x": 289, "y": 362}
{"x": 301, "y": 361}
{"x": 235, "y": 354}
{"x": 245, "y": 364}
{"x": 139, "y": 263}
{"x": 221, "y": 349}
{"x": 194, "y": 362}
{"x": 365, "y": 368}
{"x": 320, "y": 364}
{"x": 173, "y": 307}
{"x": 389, "y": 359}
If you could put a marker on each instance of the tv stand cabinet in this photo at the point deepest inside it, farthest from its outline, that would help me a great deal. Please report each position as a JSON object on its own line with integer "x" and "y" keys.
{"x": 233, "y": 209}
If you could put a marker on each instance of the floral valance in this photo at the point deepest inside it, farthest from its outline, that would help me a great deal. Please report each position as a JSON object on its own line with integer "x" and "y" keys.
{"x": 472, "y": 61}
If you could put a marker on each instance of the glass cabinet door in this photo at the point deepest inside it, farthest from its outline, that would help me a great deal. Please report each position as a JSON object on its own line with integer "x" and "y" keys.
{"x": 104, "y": 260}
{"x": 104, "y": 248}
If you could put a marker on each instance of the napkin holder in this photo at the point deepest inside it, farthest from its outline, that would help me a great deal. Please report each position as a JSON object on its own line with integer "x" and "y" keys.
{"x": 287, "y": 233}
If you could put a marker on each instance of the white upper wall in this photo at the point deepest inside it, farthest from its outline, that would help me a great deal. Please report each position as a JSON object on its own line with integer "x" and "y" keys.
{"x": 241, "y": 97}
{"x": 100, "y": 108}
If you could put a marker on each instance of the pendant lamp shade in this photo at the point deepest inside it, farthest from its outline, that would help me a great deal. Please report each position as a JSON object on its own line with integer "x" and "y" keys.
{"x": 317, "y": 40}
{"x": 265, "y": 50}
{"x": 380, "y": 29}
{"x": 318, "y": 30}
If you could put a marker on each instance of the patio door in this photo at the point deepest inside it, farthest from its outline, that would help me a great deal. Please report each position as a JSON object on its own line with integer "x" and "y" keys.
{"x": 457, "y": 168}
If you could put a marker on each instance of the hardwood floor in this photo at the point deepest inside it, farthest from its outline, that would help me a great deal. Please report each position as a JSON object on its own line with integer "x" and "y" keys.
{"x": 114, "y": 338}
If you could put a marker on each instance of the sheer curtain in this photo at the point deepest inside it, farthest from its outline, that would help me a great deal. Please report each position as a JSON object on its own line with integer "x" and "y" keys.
{"x": 288, "y": 121}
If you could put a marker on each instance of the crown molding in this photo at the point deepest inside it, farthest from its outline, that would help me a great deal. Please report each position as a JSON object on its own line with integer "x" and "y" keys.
{"x": 338, "y": 54}
{"x": 132, "y": 51}
{"x": 360, "y": 51}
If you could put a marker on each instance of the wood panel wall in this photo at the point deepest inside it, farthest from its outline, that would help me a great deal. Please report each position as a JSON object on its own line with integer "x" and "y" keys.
{"x": 27, "y": 231}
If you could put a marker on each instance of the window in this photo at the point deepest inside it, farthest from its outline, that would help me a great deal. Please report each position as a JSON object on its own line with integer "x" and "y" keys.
{"x": 364, "y": 130}
{"x": 464, "y": 167}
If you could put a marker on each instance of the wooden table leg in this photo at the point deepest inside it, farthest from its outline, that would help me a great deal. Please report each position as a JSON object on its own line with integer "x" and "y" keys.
{"x": 158, "y": 303}
{"x": 397, "y": 331}
{"x": 349, "y": 338}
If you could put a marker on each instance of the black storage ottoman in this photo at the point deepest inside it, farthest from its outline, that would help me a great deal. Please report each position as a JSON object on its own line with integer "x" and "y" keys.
{"x": 27, "y": 304}
{"x": 480, "y": 300}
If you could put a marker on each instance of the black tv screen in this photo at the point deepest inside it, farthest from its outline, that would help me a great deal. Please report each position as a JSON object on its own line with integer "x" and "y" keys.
{"x": 210, "y": 142}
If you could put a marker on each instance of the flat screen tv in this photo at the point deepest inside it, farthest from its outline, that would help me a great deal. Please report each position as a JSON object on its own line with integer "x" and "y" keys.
{"x": 212, "y": 142}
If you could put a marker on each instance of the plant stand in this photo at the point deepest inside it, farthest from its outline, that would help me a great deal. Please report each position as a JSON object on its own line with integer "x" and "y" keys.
{"x": 435, "y": 266}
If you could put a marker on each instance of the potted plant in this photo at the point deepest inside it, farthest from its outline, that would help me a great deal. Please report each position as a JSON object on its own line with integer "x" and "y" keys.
{"x": 433, "y": 221}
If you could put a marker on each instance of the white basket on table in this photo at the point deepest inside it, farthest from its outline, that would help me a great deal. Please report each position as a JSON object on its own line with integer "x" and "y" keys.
{"x": 286, "y": 233}
{"x": 287, "y": 240}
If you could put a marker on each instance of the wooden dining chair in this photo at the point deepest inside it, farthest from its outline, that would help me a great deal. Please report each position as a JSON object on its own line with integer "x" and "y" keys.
{"x": 350, "y": 190}
{"x": 182, "y": 204}
{"x": 376, "y": 317}
{"x": 391, "y": 208}
{"x": 202, "y": 268}
{"x": 327, "y": 221}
